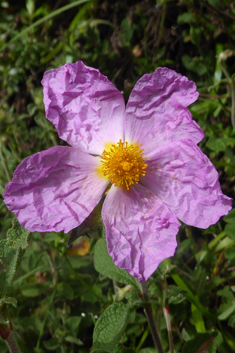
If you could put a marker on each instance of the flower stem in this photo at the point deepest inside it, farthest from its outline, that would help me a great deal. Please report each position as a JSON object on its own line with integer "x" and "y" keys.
{"x": 149, "y": 313}
{"x": 12, "y": 344}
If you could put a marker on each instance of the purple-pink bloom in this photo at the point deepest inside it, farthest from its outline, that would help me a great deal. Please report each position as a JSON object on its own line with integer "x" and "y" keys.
{"x": 170, "y": 179}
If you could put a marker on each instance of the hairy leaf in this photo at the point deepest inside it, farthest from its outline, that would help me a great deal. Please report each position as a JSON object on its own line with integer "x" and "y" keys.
{"x": 11, "y": 251}
{"x": 110, "y": 326}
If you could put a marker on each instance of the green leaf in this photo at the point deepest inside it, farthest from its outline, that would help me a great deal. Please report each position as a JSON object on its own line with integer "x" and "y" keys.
{"x": 175, "y": 294}
{"x": 218, "y": 69}
{"x": 126, "y": 32}
{"x": 74, "y": 340}
{"x": 202, "y": 342}
{"x": 186, "y": 335}
{"x": 193, "y": 298}
{"x": 195, "y": 34}
{"x": 73, "y": 322}
{"x": 230, "y": 227}
{"x": 104, "y": 265}
{"x": 216, "y": 144}
{"x": 30, "y": 6}
{"x": 227, "y": 312}
{"x": 226, "y": 293}
{"x": 194, "y": 64}
{"x": 64, "y": 290}
{"x": 165, "y": 268}
{"x": 231, "y": 321}
{"x": 148, "y": 350}
{"x": 230, "y": 230}
{"x": 200, "y": 256}
{"x": 186, "y": 17}
{"x": 226, "y": 242}
{"x": 110, "y": 326}
{"x": 11, "y": 251}
{"x": 216, "y": 240}
{"x": 198, "y": 319}
{"x": 51, "y": 344}
{"x": 34, "y": 290}
{"x": 230, "y": 218}
{"x": 9, "y": 300}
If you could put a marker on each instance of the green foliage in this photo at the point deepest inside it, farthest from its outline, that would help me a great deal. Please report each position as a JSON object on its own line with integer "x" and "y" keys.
{"x": 11, "y": 251}
{"x": 175, "y": 294}
{"x": 110, "y": 326}
{"x": 56, "y": 297}
{"x": 230, "y": 227}
{"x": 202, "y": 342}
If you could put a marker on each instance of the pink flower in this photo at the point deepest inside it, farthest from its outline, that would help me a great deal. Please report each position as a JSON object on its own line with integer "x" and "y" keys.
{"x": 148, "y": 151}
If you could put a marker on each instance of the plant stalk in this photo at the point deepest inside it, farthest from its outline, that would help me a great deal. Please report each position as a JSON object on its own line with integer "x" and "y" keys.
{"x": 149, "y": 313}
{"x": 12, "y": 344}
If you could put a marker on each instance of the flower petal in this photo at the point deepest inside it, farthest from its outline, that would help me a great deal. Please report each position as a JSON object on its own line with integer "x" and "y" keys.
{"x": 156, "y": 112}
{"x": 84, "y": 106}
{"x": 187, "y": 182}
{"x": 55, "y": 190}
{"x": 140, "y": 230}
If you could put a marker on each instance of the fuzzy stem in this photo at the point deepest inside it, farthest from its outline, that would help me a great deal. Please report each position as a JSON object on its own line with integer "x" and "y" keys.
{"x": 149, "y": 313}
{"x": 12, "y": 344}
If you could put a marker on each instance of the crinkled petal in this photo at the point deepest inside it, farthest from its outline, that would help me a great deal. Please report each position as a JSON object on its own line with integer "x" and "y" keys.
{"x": 55, "y": 190}
{"x": 156, "y": 112}
{"x": 140, "y": 230}
{"x": 84, "y": 106}
{"x": 187, "y": 182}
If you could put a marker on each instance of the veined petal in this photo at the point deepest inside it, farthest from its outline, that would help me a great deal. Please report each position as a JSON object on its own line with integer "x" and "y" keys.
{"x": 55, "y": 190}
{"x": 156, "y": 112}
{"x": 187, "y": 182}
{"x": 140, "y": 230}
{"x": 84, "y": 106}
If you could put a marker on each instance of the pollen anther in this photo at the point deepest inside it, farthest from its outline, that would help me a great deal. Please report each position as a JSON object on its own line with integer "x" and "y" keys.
{"x": 123, "y": 164}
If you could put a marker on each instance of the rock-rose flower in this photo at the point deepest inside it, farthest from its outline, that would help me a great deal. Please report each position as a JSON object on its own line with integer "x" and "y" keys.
{"x": 147, "y": 152}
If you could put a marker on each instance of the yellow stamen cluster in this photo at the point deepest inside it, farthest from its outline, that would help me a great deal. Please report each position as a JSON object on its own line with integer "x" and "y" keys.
{"x": 123, "y": 164}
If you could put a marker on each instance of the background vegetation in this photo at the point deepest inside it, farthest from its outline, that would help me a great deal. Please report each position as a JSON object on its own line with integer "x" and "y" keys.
{"x": 59, "y": 293}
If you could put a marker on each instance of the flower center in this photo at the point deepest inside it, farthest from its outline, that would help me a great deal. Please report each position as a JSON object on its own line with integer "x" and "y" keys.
{"x": 123, "y": 164}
